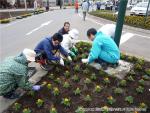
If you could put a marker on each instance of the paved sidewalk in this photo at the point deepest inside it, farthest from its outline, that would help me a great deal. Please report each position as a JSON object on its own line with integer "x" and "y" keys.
{"x": 5, "y": 103}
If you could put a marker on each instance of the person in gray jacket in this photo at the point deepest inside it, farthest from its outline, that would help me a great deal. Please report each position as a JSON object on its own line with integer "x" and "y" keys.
{"x": 85, "y": 7}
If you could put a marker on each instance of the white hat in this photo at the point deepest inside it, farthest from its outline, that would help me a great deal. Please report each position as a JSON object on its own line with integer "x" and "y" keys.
{"x": 29, "y": 54}
{"x": 74, "y": 33}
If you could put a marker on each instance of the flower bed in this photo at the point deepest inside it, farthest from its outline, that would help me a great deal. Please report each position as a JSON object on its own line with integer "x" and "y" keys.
{"x": 136, "y": 21}
{"x": 77, "y": 86}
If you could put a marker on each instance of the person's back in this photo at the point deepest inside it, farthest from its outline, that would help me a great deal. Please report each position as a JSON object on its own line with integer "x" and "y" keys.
{"x": 107, "y": 45}
{"x": 85, "y": 6}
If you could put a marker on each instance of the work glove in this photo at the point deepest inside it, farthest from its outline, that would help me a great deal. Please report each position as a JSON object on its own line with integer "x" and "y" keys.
{"x": 72, "y": 54}
{"x": 75, "y": 50}
{"x": 69, "y": 58}
{"x": 61, "y": 62}
{"x": 85, "y": 60}
{"x": 36, "y": 87}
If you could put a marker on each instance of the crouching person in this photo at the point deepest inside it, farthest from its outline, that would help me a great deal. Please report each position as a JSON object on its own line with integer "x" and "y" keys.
{"x": 50, "y": 49}
{"x": 104, "y": 49}
{"x": 68, "y": 42}
{"x": 13, "y": 74}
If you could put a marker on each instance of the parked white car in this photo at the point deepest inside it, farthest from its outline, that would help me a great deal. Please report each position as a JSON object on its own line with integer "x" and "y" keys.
{"x": 140, "y": 9}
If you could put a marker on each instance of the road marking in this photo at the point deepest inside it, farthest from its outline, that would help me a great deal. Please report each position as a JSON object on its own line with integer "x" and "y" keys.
{"x": 126, "y": 37}
{"x": 42, "y": 25}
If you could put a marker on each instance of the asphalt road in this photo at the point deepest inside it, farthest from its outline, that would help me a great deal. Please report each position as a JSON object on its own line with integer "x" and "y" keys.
{"x": 26, "y": 33}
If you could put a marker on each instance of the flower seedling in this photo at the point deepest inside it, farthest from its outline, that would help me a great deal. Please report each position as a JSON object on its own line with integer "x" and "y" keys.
{"x": 67, "y": 74}
{"x": 39, "y": 103}
{"x": 84, "y": 56}
{"x": 80, "y": 109}
{"x": 130, "y": 78}
{"x": 118, "y": 91}
{"x": 43, "y": 83}
{"x": 31, "y": 93}
{"x": 49, "y": 86}
{"x": 98, "y": 89}
{"x": 143, "y": 105}
{"x": 93, "y": 76}
{"x": 129, "y": 99}
{"x": 66, "y": 85}
{"x": 77, "y": 91}
{"x": 145, "y": 77}
{"x": 77, "y": 68}
{"x": 26, "y": 110}
{"x": 147, "y": 71}
{"x": 123, "y": 83}
{"x": 53, "y": 110}
{"x": 140, "y": 61}
{"x": 110, "y": 100}
{"x": 140, "y": 89}
{"x": 130, "y": 58}
{"x": 105, "y": 109}
{"x": 66, "y": 102}
{"x": 106, "y": 80}
{"x": 51, "y": 76}
{"x": 56, "y": 91}
{"x": 141, "y": 82}
{"x": 17, "y": 106}
{"x": 86, "y": 71}
{"x": 75, "y": 78}
{"x": 138, "y": 67}
{"x": 87, "y": 81}
{"x": 58, "y": 81}
{"x": 88, "y": 98}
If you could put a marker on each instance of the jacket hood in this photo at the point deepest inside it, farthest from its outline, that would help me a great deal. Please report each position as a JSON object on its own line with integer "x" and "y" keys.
{"x": 21, "y": 59}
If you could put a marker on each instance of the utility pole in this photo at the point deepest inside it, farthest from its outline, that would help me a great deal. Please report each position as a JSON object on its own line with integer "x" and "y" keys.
{"x": 147, "y": 12}
{"x": 120, "y": 20}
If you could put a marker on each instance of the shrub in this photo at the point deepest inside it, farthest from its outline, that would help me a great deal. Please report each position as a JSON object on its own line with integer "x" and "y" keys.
{"x": 140, "y": 89}
{"x": 4, "y": 21}
{"x": 66, "y": 102}
{"x": 77, "y": 91}
{"x": 129, "y": 99}
{"x": 118, "y": 91}
{"x": 123, "y": 83}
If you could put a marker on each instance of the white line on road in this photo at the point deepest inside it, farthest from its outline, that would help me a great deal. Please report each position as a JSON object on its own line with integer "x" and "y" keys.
{"x": 42, "y": 25}
{"x": 126, "y": 37}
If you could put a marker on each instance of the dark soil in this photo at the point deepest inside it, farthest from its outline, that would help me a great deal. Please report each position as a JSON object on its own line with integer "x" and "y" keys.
{"x": 98, "y": 99}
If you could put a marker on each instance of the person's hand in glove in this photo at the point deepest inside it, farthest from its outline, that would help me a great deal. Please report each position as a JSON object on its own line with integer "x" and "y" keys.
{"x": 36, "y": 87}
{"x": 85, "y": 60}
{"x": 69, "y": 58}
{"x": 62, "y": 62}
{"x": 72, "y": 54}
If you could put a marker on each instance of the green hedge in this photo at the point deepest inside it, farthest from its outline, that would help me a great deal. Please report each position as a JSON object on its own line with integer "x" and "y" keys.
{"x": 4, "y": 21}
{"x": 136, "y": 21}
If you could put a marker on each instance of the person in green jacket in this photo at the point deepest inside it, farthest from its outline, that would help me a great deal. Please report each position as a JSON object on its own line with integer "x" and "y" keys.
{"x": 13, "y": 74}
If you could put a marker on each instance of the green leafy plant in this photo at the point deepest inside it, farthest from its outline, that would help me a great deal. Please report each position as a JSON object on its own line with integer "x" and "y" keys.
{"x": 98, "y": 88}
{"x": 56, "y": 91}
{"x": 130, "y": 78}
{"x": 66, "y": 85}
{"x": 123, "y": 83}
{"x": 31, "y": 93}
{"x": 80, "y": 109}
{"x": 106, "y": 80}
{"x": 93, "y": 76}
{"x": 26, "y": 110}
{"x": 105, "y": 109}
{"x": 86, "y": 71}
{"x": 77, "y": 91}
{"x": 147, "y": 71}
{"x": 75, "y": 78}
{"x": 130, "y": 58}
{"x": 87, "y": 98}
{"x": 143, "y": 105}
{"x": 87, "y": 81}
{"x": 17, "y": 106}
{"x": 58, "y": 80}
{"x": 118, "y": 91}
{"x": 39, "y": 103}
{"x": 122, "y": 56}
{"x": 77, "y": 68}
{"x": 67, "y": 74}
{"x": 129, "y": 99}
{"x": 53, "y": 110}
{"x": 140, "y": 61}
{"x": 145, "y": 77}
{"x": 49, "y": 86}
{"x": 138, "y": 67}
{"x": 110, "y": 100}
{"x": 51, "y": 76}
{"x": 5, "y": 21}
{"x": 66, "y": 102}
{"x": 141, "y": 82}
{"x": 140, "y": 89}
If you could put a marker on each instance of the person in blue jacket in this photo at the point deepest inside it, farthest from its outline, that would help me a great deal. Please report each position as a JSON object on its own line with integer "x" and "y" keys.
{"x": 103, "y": 48}
{"x": 49, "y": 46}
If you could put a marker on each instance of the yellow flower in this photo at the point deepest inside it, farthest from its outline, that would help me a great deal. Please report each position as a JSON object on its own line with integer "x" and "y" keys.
{"x": 110, "y": 97}
{"x": 106, "y": 79}
{"x": 66, "y": 99}
{"x": 53, "y": 109}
